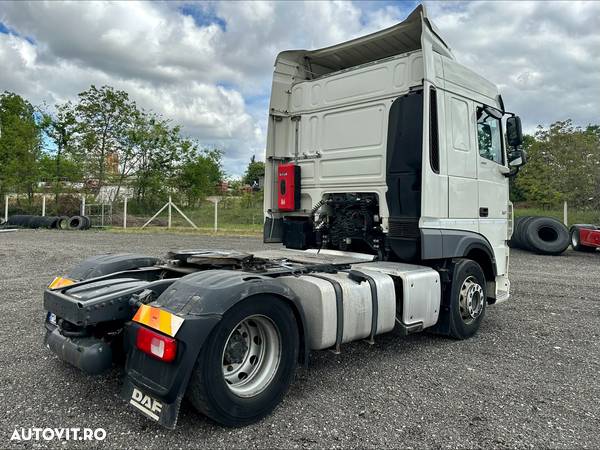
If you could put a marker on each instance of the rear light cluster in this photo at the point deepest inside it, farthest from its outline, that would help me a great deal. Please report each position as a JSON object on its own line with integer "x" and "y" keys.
{"x": 159, "y": 346}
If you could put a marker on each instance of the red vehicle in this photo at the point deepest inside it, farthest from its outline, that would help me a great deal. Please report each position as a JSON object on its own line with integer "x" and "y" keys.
{"x": 585, "y": 238}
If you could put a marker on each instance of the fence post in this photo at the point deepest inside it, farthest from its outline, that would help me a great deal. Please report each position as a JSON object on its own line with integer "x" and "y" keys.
{"x": 215, "y": 200}
{"x": 566, "y": 222}
{"x": 216, "y": 216}
{"x": 170, "y": 203}
{"x": 125, "y": 213}
{"x": 6, "y": 208}
{"x": 43, "y": 205}
{"x": 83, "y": 205}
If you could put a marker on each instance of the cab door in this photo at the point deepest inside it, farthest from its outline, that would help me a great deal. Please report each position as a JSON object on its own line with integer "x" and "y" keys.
{"x": 491, "y": 182}
{"x": 462, "y": 162}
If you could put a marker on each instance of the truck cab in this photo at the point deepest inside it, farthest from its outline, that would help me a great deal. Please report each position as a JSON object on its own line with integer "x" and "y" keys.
{"x": 398, "y": 150}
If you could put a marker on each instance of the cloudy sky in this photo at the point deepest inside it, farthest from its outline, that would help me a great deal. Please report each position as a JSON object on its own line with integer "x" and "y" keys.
{"x": 208, "y": 66}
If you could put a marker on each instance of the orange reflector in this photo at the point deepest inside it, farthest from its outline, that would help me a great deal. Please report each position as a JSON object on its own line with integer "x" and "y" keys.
{"x": 160, "y": 320}
{"x": 59, "y": 282}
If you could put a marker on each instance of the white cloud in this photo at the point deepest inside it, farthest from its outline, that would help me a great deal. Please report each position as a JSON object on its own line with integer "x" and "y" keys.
{"x": 544, "y": 56}
{"x": 210, "y": 68}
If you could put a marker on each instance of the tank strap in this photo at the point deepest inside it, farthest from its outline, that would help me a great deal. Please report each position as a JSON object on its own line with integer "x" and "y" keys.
{"x": 360, "y": 276}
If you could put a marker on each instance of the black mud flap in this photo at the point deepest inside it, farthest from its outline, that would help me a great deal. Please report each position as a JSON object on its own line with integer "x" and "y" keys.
{"x": 155, "y": 409}
{"x": 156, "y": 388}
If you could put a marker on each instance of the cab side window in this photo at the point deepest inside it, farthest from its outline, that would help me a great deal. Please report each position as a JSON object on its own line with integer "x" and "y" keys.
{"x": 489, "y": 137}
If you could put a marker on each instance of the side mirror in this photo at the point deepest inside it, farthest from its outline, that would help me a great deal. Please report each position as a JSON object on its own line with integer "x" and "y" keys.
{"x": 514, "y": 132}
{"x": 517, "y": 158}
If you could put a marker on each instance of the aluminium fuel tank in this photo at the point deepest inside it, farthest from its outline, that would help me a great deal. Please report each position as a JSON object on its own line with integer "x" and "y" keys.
{"x": 339, "y": 307}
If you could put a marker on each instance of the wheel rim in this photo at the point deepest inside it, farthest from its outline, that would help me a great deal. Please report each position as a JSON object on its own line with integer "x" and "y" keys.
{"x": 471, "y": 300}
{"x": 251, "y": 356}
{"x": 575, "y": 238}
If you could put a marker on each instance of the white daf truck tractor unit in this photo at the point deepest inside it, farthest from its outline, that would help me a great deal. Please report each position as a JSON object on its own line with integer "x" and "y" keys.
{"x": 387, "y": 169}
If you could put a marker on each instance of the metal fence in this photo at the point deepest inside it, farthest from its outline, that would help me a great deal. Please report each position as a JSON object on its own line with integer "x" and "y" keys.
{"x": 243, "y": 213}
{"x": 100, "y": 214}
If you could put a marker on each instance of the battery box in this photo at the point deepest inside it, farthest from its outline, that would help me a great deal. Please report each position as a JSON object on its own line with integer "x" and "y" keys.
{"x": 288, "y": 192}
{"x": 297, "y": 233}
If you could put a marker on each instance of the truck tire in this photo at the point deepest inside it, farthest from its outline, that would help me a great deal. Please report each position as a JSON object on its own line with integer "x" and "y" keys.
{"x": 468, "y": 299}
{"x": 576, "y": 241}
{"x": 523, "y": 230}
{"x": 42, "y": 222}
{"x": 248, "y": 362}
{"x": 77, "y": 223}
{"x": 515, "y": 240}
{"x": 546, "y": 236}
{"x": 520, "y": 230}
{"x": 62, "y": 223}
{"x": 53, "y": 224}
{"x": 87, "y": 222}
{"x": 22, "y": 220}
{"x": 34, "y": 222}
{"x": 17, "y": 220}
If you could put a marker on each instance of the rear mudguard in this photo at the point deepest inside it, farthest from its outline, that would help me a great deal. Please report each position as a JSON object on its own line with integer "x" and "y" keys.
{"x": 100, "y": 265}
{"x": 201, "y": 299}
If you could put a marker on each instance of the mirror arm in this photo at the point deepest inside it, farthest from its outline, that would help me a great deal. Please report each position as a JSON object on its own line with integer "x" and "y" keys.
{"x": 513, "y": 172}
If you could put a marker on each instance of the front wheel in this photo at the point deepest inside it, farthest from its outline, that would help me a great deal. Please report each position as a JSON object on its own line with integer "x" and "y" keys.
{"x": 468, "y": 299}
{"x": 248, "y": 362}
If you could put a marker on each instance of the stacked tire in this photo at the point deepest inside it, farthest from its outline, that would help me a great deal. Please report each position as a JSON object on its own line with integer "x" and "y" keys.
{"x": 541, "y": 235}
{"x": 79, "y": 223}
{"x": 50, "y": 222}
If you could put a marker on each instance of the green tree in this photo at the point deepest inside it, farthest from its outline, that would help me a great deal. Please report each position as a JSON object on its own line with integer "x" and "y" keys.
{"x": 20, "y": 145}
{"x": 564, "y": 164}
{"x": 61, "y": 128}
{"x": 517, "y": 193}
{"x": 106, "y": 117}
{"x": 70, "y": 169}
{"x": 160, "y": 150}
{"x": 254, "y": 171}
{"x": 199, "y": 175}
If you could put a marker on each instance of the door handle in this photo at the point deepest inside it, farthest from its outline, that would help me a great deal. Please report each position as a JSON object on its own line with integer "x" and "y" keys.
{"x": 483, "y": 212}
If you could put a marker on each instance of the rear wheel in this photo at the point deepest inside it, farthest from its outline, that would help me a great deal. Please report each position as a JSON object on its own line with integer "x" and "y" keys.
{"x": 576, "y": 242}
{"x": 248, "y": 362}
{"x": 468, "y": 299}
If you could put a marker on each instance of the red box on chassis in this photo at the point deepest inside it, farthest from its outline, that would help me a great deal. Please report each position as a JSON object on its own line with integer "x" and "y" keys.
{"x": 288, "y": 194}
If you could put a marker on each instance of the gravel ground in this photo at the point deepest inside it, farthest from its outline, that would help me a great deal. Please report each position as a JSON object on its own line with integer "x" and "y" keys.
{"x": 528, "y": 379}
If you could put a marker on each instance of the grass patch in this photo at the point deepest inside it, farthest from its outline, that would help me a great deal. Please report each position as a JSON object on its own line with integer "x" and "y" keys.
{"x": 230, "y": 230}
{"x": 573, "y": 216}
{"x": 236, "y": 216}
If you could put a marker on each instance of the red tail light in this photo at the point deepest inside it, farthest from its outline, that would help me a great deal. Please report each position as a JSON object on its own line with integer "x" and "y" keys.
{"x": 159, "y": 346}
